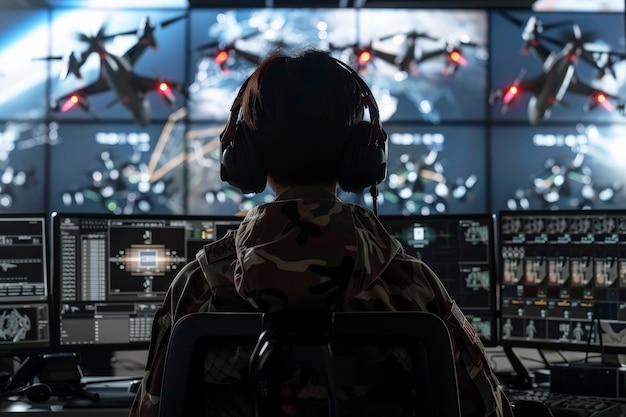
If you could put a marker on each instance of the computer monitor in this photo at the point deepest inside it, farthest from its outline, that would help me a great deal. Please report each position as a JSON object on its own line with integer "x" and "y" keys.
{"x": 25, "y": 298}
{"x": 111, "y": 273}
{"x": 563, "y": 275}
{"x": 461, "y": 250}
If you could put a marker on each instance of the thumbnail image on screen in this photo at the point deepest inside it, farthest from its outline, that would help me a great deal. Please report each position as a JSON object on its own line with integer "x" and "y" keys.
{"x": 113, "y": 272}
{"x": 25, "y": 302}
{"x": 461, "y": 250}
{"x": 563, "y": 276}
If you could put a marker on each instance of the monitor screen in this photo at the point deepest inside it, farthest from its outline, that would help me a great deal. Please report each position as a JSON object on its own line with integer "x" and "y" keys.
{"x": 461, "y": 250}
{"x": 126, "y": 64}
{"x": 112, "y": 273}
{"x": 557, "y": 167}
{"x": 556, "y": 67}
{"x": 118, "y": 168}
{"x": 563, "y": 276}
{"x": 24, "y": 294}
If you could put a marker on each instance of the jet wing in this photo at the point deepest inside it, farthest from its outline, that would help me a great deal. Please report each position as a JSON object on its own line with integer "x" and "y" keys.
{"x": 145, "y": 84}
{"x": 98, "y": 86}
{"x": 387, "y": 57}
{"x": 79, "y": 96}
{"x": 431, "y": 54}
{"x": 581, "y": 88}
{"x": 532, "y": 85}
{"x": 596, "y": 96}
{"x": 162, "y": 86}
{"x": 512, "y": 92}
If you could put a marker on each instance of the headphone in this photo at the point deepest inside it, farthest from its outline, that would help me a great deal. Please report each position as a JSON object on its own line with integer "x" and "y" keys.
{"x": 363, "y": 164}
{"x": 36, "y": 392}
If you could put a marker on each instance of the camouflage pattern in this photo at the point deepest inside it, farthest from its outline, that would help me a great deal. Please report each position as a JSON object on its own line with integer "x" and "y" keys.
{"x": 307, "y": 249}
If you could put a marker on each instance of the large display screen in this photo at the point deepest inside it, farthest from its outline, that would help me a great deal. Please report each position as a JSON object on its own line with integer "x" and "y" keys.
{"x": 558, "y": 167}
{"x": 557, "y": 67}
{"x": 118, "y": 168}
{"x": 122, "y": 65}
{"x": 429, "y": 66}
{"x": 481, "y": 104}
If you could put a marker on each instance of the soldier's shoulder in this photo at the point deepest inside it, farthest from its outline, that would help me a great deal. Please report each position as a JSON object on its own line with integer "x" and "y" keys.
{"x": 221, "y": 249}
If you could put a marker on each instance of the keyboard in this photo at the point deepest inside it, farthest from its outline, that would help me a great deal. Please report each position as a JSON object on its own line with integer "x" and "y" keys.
{"x": 566, "y": 405}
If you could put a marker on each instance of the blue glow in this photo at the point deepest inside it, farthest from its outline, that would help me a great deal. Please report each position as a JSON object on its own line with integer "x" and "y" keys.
{"x": 33, "y": 39}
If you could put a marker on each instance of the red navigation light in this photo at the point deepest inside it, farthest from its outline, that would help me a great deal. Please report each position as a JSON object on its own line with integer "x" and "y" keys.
{"x": 221, "y": 57}
{"x": 602, "y": 99}
{"x": 166, "y": 92}
{"x": 457, "y": 57}
{"x": 510, "y": 94}
{"x": 365, "y": 57}
{"x": 71, "y": 102}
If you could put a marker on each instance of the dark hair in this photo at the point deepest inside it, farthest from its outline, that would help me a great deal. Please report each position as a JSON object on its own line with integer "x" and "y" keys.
{"x": 300, "y": 107}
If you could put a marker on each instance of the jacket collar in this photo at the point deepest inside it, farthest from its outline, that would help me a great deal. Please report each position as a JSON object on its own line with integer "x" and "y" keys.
{"x": 308, "y": 192}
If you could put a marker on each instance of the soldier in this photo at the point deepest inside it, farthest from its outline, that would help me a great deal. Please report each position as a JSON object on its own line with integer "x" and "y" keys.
{"x": 298, "y": 125}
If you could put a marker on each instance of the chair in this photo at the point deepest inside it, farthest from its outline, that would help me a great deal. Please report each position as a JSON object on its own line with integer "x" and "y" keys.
{"x": 327, "y": 351}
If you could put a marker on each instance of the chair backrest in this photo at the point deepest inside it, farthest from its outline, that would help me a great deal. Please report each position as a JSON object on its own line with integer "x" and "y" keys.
{"x": 239, "y": 363}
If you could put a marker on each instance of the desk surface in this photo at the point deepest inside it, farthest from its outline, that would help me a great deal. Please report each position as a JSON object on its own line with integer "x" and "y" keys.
{"x": 115, "y": 401}
{"x": 29, "y": 409}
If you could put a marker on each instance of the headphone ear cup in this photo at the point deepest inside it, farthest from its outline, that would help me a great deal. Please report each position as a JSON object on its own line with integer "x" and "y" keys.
{"x": 36, "y": 393}
{"x": 242, "y": 164}
{"x": 364, "y": 162}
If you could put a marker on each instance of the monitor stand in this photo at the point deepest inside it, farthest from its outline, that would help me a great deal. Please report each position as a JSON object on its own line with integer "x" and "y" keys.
{"x": 60, "y": 371}
{"x": 523, "y": 378}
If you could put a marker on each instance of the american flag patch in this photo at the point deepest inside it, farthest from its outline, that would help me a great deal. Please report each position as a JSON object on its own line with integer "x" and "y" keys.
{"x": 468, "y": 329}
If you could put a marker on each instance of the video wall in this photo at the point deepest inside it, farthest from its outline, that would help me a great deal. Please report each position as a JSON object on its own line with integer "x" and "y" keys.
{"x": 119, "y": 111}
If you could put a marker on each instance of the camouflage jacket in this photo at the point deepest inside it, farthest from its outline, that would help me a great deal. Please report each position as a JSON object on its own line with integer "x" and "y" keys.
{"x": 308, "y": 249}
